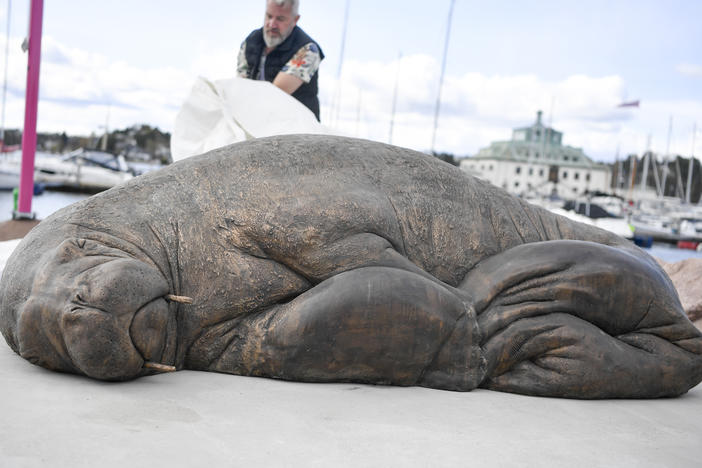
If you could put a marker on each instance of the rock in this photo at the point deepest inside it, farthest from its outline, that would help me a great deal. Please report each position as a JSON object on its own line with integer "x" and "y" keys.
{"x": 686, "y": 276}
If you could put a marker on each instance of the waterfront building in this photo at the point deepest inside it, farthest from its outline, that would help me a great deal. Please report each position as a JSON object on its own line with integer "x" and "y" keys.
{"x": 536, "y": 163}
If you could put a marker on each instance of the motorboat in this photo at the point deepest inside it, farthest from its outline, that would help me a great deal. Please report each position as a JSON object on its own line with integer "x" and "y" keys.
{"x": 668, "y": 220}
{"x": 84, "y": 170}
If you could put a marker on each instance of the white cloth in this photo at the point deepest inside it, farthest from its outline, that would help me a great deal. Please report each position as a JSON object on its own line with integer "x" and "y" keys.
{"x": 218, "y": 113}
{"x": 6, "y": 249}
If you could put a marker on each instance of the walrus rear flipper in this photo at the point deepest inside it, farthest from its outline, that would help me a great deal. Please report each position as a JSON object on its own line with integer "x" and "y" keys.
{"x": 582, "y": 320}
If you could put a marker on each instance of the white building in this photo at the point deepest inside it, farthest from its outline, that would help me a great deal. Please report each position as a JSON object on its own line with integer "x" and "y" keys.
{"x": 535, "y": 162}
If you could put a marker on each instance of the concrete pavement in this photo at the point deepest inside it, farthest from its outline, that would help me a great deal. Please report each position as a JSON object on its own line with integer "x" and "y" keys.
{"x": 205, "y": 419}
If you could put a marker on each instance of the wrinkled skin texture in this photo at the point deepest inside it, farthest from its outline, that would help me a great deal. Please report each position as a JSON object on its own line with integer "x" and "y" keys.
{"x": 327, "y": 259}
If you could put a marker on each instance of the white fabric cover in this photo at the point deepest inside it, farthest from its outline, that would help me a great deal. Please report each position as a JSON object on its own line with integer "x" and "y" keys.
{"x": 218, "y": 113}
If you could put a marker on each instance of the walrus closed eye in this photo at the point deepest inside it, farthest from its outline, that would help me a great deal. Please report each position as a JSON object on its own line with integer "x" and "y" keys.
{"x": 328, "y": 259}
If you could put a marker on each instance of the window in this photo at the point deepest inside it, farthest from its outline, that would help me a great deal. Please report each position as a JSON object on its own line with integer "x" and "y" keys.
{"x": 531, "y": 171}
{"x": 576, "y": 175}
{"x": 518, "y": 170}
{"x": 490, "y": 168}
{"x": 541, "y": 172}
{"x": 565, "y": 175}
{"x": 516, "y": 184}
{"x": 587, "y": 177}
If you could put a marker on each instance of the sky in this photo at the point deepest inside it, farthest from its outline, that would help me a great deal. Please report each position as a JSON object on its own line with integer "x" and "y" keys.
{"x": 118, "y": 64}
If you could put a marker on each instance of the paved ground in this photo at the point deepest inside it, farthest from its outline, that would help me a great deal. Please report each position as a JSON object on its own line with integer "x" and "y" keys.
{"x": 15, "y": 229}
{"x": 206, "y": 419}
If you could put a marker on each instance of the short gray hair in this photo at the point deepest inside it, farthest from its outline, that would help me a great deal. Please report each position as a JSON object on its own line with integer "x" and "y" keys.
{"x": 294, "y": 5}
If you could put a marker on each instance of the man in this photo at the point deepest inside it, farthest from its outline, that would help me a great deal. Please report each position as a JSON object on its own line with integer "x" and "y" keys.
{"x": 282, "y": 53}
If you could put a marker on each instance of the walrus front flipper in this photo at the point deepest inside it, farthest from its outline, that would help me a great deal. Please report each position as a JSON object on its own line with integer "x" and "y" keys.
{"x": 372, "y": 325}
{"x": 582, "y": 320}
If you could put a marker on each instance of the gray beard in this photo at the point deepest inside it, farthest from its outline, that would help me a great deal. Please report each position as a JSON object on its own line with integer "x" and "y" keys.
{"x": 273, "y": 41}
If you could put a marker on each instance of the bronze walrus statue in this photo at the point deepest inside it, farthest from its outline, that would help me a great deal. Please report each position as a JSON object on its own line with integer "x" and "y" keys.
{"x": 328, "y": 259}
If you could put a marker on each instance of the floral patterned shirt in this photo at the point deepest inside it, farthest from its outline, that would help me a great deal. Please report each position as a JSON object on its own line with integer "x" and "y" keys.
{"x": 303, "y": 65}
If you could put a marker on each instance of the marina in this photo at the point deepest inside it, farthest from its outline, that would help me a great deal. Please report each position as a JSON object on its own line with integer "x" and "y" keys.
{"x": 52, "y": 200}
{"x": 537, "y": 166}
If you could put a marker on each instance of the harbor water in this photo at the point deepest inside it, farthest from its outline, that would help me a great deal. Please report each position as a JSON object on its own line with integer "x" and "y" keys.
{"x": 50, "y": 201}
{"x": 670, "y": 253}
{"x": 42, "y": 205}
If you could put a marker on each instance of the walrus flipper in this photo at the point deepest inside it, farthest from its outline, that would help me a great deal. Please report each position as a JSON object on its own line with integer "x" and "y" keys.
{"x": 582, "y": 320}
{"x": 372, "y": 325}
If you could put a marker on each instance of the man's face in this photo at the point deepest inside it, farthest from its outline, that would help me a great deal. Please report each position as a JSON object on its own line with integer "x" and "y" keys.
{"x": 278, "y": 23}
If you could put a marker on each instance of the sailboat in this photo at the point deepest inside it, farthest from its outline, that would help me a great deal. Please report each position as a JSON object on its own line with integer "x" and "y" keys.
{"x": 669, "y": 219}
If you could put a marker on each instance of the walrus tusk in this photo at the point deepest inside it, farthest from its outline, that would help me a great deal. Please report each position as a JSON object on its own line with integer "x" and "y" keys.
{"x": 159, "y": 367}
{"x": 180, "y": 299}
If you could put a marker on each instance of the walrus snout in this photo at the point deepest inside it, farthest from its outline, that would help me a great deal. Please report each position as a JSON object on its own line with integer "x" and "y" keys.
{"x": 97, "y": 311}
{"x": 98, "y": 345}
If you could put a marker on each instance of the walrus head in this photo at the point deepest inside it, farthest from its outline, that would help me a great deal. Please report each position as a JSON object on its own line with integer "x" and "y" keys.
{"x": 98, "y": 311}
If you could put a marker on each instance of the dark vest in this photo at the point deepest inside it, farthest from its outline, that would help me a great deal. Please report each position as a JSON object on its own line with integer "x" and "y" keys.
{"x": 278, "y": 57}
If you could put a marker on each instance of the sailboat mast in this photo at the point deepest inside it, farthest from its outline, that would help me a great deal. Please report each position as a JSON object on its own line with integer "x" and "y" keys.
{"x": 632, "y": 168}
{"x": 617, "y": 171}
{"x": 691, "y": 167}
{"x": 4, "y": 83}
{"x": 358, "y": 110}
{"x": 644, "y": 176}
{"x": 441, "y": 77}
{"x": 394, "y": 97}
{"x": 656, "y": 177}
{"x": 667, "y": 154}
{"x": 336, "y": 101}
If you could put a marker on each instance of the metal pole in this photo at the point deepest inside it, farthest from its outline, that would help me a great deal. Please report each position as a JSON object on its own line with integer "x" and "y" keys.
{"x": 29, "y": 134}
{"x": 441, "y": 77}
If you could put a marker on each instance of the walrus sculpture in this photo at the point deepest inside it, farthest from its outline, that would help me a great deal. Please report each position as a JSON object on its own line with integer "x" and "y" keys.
{"x": 329, "y": 259}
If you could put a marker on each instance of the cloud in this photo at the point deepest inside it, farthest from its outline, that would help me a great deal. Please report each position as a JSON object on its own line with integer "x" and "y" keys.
{"x": 477, "y": 109}
{"x": 80, "y": 90}
{"x": 689, "y": 69}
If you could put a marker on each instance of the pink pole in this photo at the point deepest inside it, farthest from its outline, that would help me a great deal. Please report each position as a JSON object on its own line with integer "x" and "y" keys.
{"x": 29, "y": 135}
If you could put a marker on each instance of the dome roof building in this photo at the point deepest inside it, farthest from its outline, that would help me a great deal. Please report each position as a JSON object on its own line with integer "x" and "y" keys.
{"x": 536, "y": 163}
